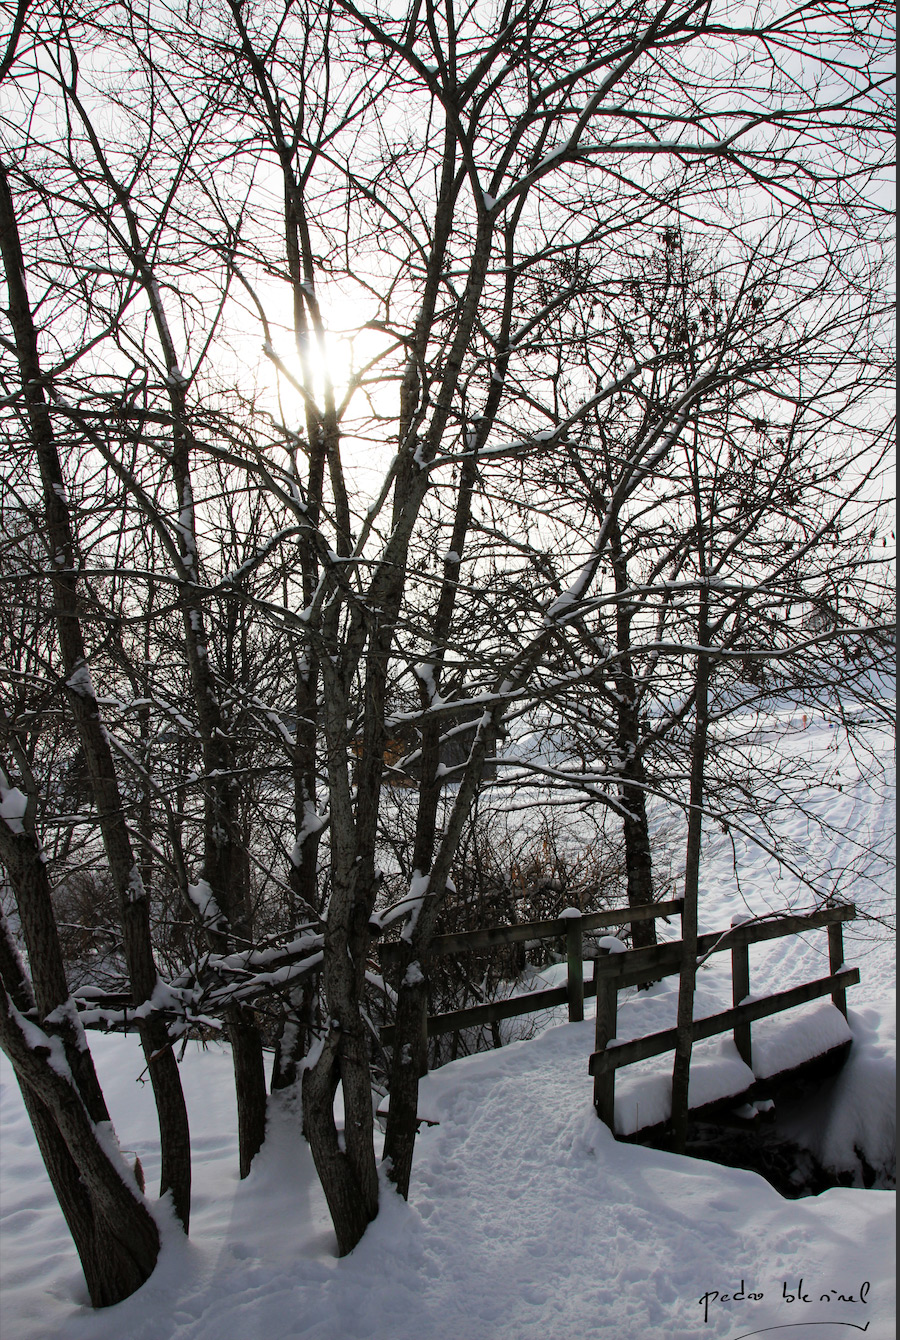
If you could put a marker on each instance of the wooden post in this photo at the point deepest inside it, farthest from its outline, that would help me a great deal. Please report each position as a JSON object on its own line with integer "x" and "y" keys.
{"x": 575, "y": 965}
{"x": 740, "y": 988}
{"x": 605, "y": 1031}
{"x": 835, "y": 961}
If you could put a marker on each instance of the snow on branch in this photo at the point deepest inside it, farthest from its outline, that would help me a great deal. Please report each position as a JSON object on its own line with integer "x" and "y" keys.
{"x": 208, "y": 910}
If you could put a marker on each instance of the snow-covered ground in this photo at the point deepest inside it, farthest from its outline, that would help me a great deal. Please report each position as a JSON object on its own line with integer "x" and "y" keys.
{"x": 526, "y": 1220}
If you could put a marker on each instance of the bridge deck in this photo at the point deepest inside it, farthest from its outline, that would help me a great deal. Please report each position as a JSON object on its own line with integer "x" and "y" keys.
{"x": 782, "y": 1046}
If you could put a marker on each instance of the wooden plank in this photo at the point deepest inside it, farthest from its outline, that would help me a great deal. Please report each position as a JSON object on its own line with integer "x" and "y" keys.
{"x": 495, "y": 1010}
{"x": 664, "y": 960}
{"x": 604, "y": 1032}
{"x": 655, "y": 1044}
{"x": 636, "y": 965}
{"x": 753, "y": 932}
{"x": 625, "y": 969}
{"x": 490, "y": 937}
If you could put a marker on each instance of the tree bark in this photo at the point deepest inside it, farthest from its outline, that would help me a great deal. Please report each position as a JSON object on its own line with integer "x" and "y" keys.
{"x": 27, "y": 872}
{"x": 410, "y": 1056}
{"x": 638, "y": 852}
{"x": 133, "y": 900}
{"x": 689, "y": 918}
{"x": 410, "y": 1063}
{"x": 350, "y": 1190}
{"x": 114, "y": 1234}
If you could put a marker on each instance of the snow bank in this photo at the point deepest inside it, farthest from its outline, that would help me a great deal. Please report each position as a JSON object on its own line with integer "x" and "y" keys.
{"x": 854, "y": 1123}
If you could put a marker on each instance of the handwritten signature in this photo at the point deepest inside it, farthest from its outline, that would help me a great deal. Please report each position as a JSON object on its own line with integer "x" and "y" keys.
{"x": 790, "y": 1295}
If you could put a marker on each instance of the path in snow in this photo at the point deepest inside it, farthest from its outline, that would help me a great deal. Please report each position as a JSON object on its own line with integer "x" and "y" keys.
{"x": 527, "y": 1221}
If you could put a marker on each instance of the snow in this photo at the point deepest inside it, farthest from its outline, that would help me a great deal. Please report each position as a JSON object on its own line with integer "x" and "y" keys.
{"x": 568, "y": 599}
{"x": 13, "y": 804}
{"x": 644, "y": 1090}
{"x": 413, "y": 975}
{"x": 201, "y": 895}
{"x": 612, "y": 944}
{"x": 136, "y": 889}
{"x": 38, "y": 1040}
{"x": 526, "y": 1219}
{"x": 313, "y": 823}
{"x": 418, "y": 889}
{"x": 784, "y": 1041}
{"x": 408, "y": 906}
{"x": 424, "y": 673}
{"x": 860, "y": 1114}
{"x": 80, "y": 681}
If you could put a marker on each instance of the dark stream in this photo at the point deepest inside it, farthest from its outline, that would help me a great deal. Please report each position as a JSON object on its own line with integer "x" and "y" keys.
{"x": 771, "y": 1143}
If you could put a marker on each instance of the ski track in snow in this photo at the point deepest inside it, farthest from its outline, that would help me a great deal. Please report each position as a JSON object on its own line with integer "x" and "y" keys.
{"x": 526, "y": 1220}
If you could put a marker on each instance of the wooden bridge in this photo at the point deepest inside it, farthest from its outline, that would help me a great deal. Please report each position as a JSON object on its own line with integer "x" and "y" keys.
{"x": 616, "y": 968}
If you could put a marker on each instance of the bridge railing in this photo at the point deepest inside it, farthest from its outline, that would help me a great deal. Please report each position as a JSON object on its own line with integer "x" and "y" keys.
{"x": 612, "y": 972}
{"x": 571, "y": 928}
{"x": 615, "y": 969}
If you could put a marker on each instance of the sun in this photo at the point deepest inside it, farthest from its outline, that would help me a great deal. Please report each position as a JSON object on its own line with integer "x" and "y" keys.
{"x": 344, "y": 358}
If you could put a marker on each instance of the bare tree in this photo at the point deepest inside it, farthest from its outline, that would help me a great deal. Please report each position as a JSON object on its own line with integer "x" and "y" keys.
{"x": 767, "y": 457}
{"x": 335, "y": 578}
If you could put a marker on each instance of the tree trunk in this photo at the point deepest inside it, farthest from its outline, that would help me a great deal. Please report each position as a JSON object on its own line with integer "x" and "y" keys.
{"x": 410, "y": 1036}
{"x": 409, "y": 1065}
{"x": 689, "y": 918}
{"x": 638, "y": 853}
{"x": 410, "y": 1058}
{"x": 133, "y": 900}
{"x": 27, "y": 872}
{"x": 351, "y": 1193}
{"x": 116, "y": 1237}
{"x": 293, "y": 1040}
{"x": 117, "y": 1257}
{"x": 344, "y": 1162}
{"x": 250, "y": 1083}
{"x": 294, "y": 1036}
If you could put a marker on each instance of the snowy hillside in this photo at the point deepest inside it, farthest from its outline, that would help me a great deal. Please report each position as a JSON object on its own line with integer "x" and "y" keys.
{"x": 526, "y": 1220}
